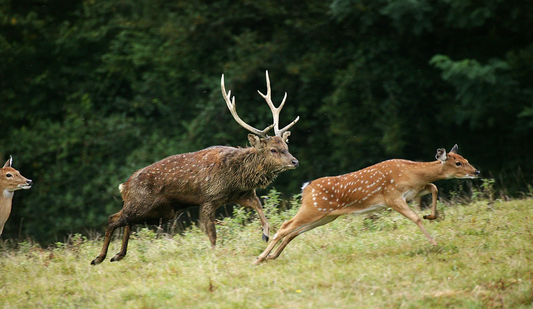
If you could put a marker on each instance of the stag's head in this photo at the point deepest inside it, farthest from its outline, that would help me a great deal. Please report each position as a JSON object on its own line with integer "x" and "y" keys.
{"x": 455, "y": 165}
{"x": 274, "y": 149}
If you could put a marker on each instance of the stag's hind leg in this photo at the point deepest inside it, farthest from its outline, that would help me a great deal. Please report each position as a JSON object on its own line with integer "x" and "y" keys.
{"x": 124, "y": 249}
{"x": 115, "y": 221}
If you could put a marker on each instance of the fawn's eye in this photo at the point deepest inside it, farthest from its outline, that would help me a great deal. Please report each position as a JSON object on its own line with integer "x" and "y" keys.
{"x": 9, "y": 175}
{"x": 458, "y": 163}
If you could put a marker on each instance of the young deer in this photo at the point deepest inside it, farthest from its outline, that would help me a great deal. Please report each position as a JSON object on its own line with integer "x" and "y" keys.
{"x": 10, "y": 181}
{"x": 207, "y": 178}
{"x": 390, "y": 183}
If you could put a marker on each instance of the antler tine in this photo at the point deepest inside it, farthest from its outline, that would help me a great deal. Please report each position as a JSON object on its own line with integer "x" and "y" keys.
{"x": 276, "y": 111}
{"x": 233, "y": 109}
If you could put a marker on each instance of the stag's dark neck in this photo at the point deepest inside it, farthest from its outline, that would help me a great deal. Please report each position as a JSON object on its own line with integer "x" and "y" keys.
{"x": 252, "y": 169}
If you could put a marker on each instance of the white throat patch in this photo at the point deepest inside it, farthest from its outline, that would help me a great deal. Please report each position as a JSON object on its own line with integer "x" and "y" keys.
{"x": 8, "y": 194}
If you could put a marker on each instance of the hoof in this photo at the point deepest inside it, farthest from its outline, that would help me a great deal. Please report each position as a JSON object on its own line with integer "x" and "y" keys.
{"x": 429, "y": 217}
{"x": 265, "y": 238}
{"x": 96, "y": 261}
{"x": 117, "y": 258}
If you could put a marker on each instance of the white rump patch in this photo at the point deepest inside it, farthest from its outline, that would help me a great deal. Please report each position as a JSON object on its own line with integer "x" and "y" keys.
{"x": 305, "y": 185}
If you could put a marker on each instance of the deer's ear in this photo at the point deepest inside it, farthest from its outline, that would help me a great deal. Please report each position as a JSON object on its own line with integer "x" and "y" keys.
{"x": 441, "y": 154}
{"x": 9, "y": 162}
{"x": 455, "y": 148}
{"x": 255, "y": 141}
{"x": 285, "y": 136}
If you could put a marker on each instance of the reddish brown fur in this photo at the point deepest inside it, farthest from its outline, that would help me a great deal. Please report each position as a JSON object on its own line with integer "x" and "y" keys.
{"x": 387, "y": 184}
{"x": 10, "y": 181}
{"x": 207, "y": 178}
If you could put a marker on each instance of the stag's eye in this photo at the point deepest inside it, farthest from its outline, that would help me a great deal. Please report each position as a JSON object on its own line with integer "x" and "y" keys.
{"x": 458, "y": 163}
{"x": 8, "y": 175}
{"x": 273, "y": 151}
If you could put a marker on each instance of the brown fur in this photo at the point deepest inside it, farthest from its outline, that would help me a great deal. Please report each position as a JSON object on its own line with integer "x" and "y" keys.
{"x": 390, "y": 183}
{"x": 208, "y": 178}
{"x": 10, "y": 181}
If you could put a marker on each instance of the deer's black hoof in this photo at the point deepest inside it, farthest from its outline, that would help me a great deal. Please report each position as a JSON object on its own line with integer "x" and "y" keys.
{"x": 96, "y": 261}
{"x": 117, "y": 257}
{"x": 265, "y": 238}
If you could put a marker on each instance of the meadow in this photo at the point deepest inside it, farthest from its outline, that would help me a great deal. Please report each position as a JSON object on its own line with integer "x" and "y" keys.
{"x": 483, "y": 260}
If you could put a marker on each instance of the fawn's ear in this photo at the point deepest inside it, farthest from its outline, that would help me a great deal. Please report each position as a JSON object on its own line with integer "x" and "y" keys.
{"x": 455, "y": 148}
{"x": 441, "y": 154}
{"x": 9, "y": 162}
{"x": 255, "y": 141}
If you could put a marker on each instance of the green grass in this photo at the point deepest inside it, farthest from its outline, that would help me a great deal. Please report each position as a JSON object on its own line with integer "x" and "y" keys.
{"x": 483, "y": 260}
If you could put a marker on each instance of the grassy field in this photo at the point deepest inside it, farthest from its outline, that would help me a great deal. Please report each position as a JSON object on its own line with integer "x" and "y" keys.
{"x": 483, "y": 260}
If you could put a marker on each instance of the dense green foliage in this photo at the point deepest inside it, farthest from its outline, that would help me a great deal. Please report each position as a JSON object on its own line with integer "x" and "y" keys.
{"x": 90, "y": 90}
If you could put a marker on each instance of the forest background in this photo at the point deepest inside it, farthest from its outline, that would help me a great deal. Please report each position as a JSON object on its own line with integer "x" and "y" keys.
{"x": 91, "y": 91}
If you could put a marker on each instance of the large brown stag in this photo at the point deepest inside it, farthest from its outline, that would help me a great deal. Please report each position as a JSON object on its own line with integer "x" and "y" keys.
{"x": 208, "y": 178}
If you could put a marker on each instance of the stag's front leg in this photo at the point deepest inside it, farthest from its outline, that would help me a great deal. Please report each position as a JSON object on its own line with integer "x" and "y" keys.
{"x": 251, "y": 200}
{"x": 114, "y": 222}
{"x": 207, "y": 222}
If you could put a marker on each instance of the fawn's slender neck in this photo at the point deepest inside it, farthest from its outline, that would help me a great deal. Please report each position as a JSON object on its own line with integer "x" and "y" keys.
{"x": 6, "y": 197}
{"x": 429, "y": 171}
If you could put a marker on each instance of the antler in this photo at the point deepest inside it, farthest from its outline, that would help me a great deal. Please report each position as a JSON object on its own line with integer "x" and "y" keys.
{"x": 233, "y": 109}
{"x": 276, "y": 111}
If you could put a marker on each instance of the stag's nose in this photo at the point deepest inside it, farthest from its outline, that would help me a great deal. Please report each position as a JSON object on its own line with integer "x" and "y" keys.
{"x": 295, "y": 163}
{"x": 29, "y": 182}
{"x": 477, "y": 172}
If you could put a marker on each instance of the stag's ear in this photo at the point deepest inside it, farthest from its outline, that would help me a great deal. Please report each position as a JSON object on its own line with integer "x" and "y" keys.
{"x": 441, "y": 154}
{"x": 285, "y": 136}
{"x": 9, "y": 162}
{"x": 455, "y": 148}
{"x": 255, "y": 141}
